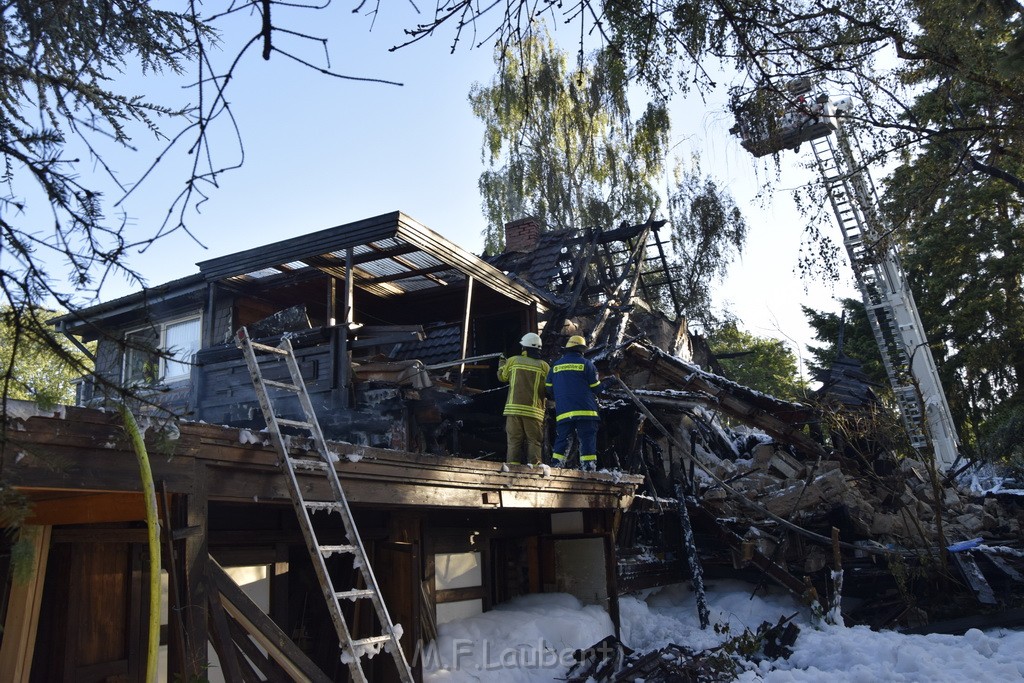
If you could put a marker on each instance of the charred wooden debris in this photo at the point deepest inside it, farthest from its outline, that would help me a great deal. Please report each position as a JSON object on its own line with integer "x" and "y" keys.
{"x": 610, "y": 660}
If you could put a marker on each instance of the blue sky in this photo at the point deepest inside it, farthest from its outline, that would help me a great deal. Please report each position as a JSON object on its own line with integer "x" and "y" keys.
{"x": 321, "y": 151}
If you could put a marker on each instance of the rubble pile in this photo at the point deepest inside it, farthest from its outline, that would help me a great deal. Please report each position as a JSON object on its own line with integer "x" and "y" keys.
{"x": 918, "y": 549}
{"x": 772, "y": 494}
{"x": 769, "y": 495}
{"x": 903, "y": 508}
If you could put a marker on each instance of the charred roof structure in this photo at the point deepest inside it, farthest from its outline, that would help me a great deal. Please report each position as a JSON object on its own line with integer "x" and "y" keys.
{"x": 396, "y": 334}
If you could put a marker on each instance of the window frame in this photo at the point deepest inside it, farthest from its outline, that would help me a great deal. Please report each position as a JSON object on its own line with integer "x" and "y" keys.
{"x": 161, "y": 349}
{"x": 131, "y": 349}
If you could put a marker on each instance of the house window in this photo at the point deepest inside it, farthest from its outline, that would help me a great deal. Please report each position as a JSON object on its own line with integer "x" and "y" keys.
{"x": 162, "y": 352}
{"x": 141, "y": 361}
{"x": 181, "y": 340}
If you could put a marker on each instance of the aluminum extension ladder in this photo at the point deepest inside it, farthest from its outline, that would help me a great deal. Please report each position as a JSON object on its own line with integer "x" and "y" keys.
{"x": 352, "y": 649}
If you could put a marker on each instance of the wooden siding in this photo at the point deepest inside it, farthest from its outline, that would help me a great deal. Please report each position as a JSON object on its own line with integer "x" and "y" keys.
{"x": 225, "y": 394}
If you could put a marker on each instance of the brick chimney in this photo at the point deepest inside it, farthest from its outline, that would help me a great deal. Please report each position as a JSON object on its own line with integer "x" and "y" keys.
{"x": 521, "y": 235}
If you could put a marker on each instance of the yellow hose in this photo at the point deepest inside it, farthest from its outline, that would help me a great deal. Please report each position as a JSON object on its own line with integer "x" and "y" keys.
{"x": 153, "y": 533}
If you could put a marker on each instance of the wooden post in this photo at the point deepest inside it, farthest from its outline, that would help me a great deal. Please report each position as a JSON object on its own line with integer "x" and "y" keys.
{"x": 465, "y": 328}
{"x": 209, "y": 327}
{"x": 693, "y": 558}
{"x": 332, "y": 301}
{"x": 463, "y": 353}
{"x": 176, "y": 614}
{"x": 349, "y": 295}
{"x": 279, "y": 577}
{"x": 636, "y": 264}
{"x": 341, "y": 337}
{"x": 195, "y": 580}
{"x": 835, "y": 615}
{"x": 227, "y": 653}
{"x": 612, "y": 580}
{"x": 22, "y": 621}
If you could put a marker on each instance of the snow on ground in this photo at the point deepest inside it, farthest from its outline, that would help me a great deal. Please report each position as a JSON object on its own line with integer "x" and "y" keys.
{"x": 531, "y": 639}
{"x": 528, "y": 639}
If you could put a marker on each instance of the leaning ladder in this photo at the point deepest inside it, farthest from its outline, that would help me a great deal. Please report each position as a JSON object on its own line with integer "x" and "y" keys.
{"x": 352, "y": 649}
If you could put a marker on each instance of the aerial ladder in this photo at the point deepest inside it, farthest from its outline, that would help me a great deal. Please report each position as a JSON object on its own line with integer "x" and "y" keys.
{"x": 883, "y": 286}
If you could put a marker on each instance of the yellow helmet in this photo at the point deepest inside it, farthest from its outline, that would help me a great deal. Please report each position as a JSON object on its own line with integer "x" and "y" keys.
{"x": 575, "y": 340}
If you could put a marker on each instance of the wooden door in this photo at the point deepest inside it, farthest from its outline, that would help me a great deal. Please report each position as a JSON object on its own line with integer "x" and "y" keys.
{"x": 92, "y": 620}
{"x": 397, "y": 568}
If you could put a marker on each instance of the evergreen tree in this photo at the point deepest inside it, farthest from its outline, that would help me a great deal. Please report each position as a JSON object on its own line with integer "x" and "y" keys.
{"x": 964, "y": 255}
{"x": 858, "y": 341}
{"x": 1001, "y": 438}
{"x": 959, "y": 221}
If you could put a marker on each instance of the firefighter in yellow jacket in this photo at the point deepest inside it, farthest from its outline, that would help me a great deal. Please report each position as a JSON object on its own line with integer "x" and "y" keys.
{"x": 524, "y": 410}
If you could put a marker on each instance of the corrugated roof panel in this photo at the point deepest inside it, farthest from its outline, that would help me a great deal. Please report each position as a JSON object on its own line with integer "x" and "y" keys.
{"x": 386, "y": 247}
{"x": 389, "y": 243}
{"x": 381, "y": 245}
{"x": 419, "y": 259}
{"x": 299, "y": 248}
{"x": 382, "y": 289}
{"x": 419, "y": 283}
{"x": 263, "y": 273}
{"x": 451, "y": 275}
{"x": 383, "y": 267}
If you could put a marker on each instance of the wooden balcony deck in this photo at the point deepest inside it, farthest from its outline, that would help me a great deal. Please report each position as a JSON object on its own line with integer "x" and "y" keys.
{"x": 77, "y": 465}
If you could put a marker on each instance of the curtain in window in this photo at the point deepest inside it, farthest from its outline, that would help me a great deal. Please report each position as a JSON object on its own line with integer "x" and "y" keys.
{"x": 181, "y": 341}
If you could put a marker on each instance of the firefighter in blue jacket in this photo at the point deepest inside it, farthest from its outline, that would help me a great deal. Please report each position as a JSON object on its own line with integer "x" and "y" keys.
{"x": 573, "y": 382}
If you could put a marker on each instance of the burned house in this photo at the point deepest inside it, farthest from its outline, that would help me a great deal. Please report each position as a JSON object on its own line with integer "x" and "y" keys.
{"x": 396, "y": 333}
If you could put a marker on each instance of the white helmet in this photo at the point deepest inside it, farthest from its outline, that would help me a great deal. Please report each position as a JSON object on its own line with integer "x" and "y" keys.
{"x": 530, "y": 340}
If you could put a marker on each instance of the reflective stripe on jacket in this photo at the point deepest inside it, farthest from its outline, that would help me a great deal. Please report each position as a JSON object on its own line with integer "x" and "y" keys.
{"x": 573, "y": 381}
{"x": 525, "y": 377}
